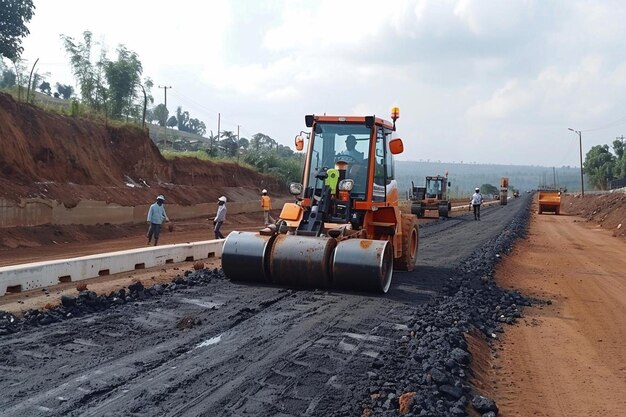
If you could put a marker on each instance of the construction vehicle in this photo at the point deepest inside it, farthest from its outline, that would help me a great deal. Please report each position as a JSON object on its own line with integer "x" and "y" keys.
{"x": 504, "y": 190}
{"x": 549, "y": 201}
{"x": 434, "y": 196}
{"x": 345, "y": 229}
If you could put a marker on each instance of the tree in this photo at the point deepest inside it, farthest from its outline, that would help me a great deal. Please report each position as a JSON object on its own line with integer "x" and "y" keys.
{"x": 14, "y": 14}
{"x": 123, "y": 77}
{"x": 261, "y": 140}
{"x": 45, "y": 88}
{"x": 89, "y": 75}
{"x": 160, "y": 114}
{"x": 64, "y": 90}
{"x": 229, "y": 143}
{"x": 7, "y": 78}
{"x": 172, "y": 122}
{"x": 197, "y": 126}
{"x": 183, "y": 119}
{"x": 619, "y": 148}
{"x": 489, "y": 189}
{"x": 599, "y": 166}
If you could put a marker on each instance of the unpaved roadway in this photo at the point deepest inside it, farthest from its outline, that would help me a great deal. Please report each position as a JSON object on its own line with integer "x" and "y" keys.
{"x": 566, "y": 358}
{"x": 252, "y": 349}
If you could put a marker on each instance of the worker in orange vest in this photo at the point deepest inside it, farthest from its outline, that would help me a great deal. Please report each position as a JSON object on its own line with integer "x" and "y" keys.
{"x": 266, "y": 204}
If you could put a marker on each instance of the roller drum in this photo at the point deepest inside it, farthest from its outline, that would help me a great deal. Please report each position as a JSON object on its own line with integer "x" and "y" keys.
{"x": 301, "y": 261}
{"x": 245, "y": 257}
{"x": 363, "y": 264}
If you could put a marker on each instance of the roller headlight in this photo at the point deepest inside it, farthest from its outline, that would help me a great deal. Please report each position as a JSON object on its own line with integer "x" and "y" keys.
{"x": 346, "y": 185}
{"x": 295, "y": 188}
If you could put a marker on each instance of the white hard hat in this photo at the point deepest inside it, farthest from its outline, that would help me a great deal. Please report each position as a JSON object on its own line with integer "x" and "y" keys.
{"x": 222, "y": 198}
{"x": 477, "y": 189}
{"x": 264, "y": 191}
{"x": 160, "y": 197}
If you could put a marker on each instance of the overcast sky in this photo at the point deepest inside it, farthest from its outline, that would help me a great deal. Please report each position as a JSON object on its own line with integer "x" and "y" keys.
{"x": 487, "y": 81}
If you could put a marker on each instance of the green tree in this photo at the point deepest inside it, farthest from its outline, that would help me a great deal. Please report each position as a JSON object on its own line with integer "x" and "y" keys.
{"x": 64, "y": 90}
{"x": 123, "y": 77}
{"x": 599, "y": 166}
{"x": 160, "y": 114}
{"x": 620, "y": 163}
{"x": 489, "y": 189}
{"x": 197, "y": 126}
{"x": 45, "y": 88}
{"x": 14, "y": 14}
{"x": 182, "y": 118}
{"x": 261, "y": 140}
{"x": 228, "y": 143}
{"x": 172, "y": 122}
{"x": 89, "y": 75}
{"x": 7, "y": 77}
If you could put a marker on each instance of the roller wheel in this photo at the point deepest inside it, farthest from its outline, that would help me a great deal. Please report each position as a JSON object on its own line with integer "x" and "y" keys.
{"x": 410, "y": 243}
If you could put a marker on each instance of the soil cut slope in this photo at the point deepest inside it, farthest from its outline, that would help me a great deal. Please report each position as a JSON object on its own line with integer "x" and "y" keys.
{"x": 67, "y": 159}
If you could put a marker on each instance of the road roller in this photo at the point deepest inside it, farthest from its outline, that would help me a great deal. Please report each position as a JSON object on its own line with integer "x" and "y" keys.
{"x": 344, "y": 229}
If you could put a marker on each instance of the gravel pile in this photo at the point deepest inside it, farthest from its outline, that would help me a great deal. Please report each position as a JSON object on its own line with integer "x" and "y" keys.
{"x": 428, "y": 374}
{"x": 88, "y": 302}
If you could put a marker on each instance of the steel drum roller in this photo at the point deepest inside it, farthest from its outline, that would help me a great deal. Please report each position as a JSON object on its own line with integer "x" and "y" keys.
{"x": 245, "y": 257}
{"x": 302, "y": 261}
{"x": 363, "y": 264}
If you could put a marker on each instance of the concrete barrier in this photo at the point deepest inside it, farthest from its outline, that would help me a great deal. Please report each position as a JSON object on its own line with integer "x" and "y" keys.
{"x": 23, "y": 277}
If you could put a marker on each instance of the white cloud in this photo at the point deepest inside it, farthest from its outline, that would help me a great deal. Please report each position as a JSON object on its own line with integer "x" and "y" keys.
{"x": 486, "y": 81}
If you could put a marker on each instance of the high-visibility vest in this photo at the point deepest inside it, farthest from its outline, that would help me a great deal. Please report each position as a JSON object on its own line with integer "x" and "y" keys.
{"x": 266, "y": 202}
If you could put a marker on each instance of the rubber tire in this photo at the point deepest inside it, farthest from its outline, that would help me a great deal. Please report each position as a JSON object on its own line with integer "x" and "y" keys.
{"x": 410, "y": 244}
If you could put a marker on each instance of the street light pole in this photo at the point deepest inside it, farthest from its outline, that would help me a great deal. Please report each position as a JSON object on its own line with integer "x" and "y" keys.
{"x": 580, "y": 142}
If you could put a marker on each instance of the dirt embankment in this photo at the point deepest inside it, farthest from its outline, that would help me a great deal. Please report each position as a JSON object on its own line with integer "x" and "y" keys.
{"x": 67, "y": 159}
{"x": 607, "y": 211}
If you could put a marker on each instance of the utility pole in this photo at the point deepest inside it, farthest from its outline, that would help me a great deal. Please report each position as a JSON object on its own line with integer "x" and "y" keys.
{"x": 218, "y": 126}
{"x": 580, "y": 142}
{"x": 237, "y": 144}
{"x": 165, "y": 87}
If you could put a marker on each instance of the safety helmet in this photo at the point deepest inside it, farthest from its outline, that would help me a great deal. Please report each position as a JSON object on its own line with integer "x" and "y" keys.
{"x": 160, "y": 197}
{"x": 264, "y": 191}
{"x": 477, "y": 189}
{"x": 222, "y": 199}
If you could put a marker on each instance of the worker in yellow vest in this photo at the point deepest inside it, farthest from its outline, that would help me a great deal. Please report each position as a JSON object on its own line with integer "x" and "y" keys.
{"x": 266, "y": 204}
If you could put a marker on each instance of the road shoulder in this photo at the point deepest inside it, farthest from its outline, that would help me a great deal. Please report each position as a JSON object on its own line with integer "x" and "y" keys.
{"x": 566, "y": 355}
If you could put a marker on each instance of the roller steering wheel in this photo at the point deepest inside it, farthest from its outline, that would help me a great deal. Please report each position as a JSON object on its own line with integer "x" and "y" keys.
{"x": 349, "y": 159}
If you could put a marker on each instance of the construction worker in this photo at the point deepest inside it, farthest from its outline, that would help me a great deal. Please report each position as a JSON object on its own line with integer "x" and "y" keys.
{"x": 475, "y": 202}
{"x": 266, "y": 204}
{"x": 351, "y": 153}
{"x": 219, "y": 217}
{"x": 156, "y": 216}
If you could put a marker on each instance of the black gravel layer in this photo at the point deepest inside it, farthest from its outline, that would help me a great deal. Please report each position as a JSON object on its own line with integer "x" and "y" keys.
{"x": 88, "y": 302}
{"x": 432, "y": 359}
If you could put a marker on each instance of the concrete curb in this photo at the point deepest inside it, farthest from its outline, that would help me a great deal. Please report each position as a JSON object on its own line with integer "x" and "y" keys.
{"x": 18, "y": 278}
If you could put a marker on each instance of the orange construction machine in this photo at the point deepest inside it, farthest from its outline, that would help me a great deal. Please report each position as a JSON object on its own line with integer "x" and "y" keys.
{"x": 345, "y": 229}
{"x": 434, "y": 196}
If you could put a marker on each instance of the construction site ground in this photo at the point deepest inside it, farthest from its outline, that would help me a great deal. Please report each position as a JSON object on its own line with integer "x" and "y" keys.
{"x": 231, "y": 349}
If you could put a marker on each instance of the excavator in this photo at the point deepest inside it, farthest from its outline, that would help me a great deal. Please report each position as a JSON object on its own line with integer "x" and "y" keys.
{"x": 344, "y": 230}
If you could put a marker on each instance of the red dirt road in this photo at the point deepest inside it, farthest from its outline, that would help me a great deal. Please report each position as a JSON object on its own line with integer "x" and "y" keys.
{"x": 567, "y": 358}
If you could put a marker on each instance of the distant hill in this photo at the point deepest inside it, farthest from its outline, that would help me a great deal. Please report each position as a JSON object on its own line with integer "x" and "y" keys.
{"x": 465, "y": 177}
